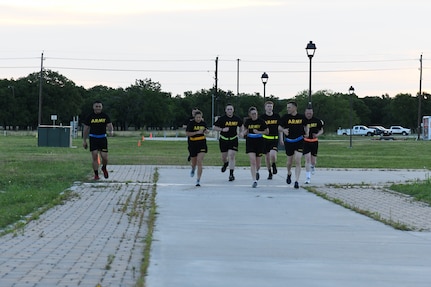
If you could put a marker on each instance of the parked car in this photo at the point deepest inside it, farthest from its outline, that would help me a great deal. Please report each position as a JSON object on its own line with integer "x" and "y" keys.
{"x": 399, "y": 130}
{"x": 358, "y": 130}
{"x": 381, "y": 131}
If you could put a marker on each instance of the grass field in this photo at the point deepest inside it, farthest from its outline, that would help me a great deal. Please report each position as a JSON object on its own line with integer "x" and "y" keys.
{"x": 32, "y": 178}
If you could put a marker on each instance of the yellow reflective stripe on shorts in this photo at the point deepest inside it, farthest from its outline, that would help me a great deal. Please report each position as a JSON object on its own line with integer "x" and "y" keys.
{"x": 270, "y": 137}
{"x": 228, "y": 139}
{"x": 197, "y": 138}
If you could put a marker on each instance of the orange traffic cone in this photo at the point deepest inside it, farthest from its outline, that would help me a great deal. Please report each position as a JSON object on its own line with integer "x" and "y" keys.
{"x": 139, "y": 143}
{"x": 151, "y": 135}
{"x": 143, "y": 138}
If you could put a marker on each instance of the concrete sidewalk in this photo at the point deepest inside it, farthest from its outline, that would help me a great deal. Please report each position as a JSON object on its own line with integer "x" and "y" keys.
{"x": 97, "y": 237}
{"x": 229, "y": 234}
{"x": 221, "y": 234}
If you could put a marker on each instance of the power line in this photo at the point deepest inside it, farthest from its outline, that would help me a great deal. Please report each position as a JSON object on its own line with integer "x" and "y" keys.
{"x": 28, "y": 58}
{"x": 128, "y": 70}
{"x": 130, "y": 60}
{"x": 224, "y": 71}
{"x": 209, "y": 60}
{"x": 19, "y": 67}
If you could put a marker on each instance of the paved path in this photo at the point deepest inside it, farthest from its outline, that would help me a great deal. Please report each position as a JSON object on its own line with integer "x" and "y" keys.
{"x": 229, "y": 234}
{"x": 73, "y": 244}
{"x": 392, "y": 207}
{"x": 223, "y": 234}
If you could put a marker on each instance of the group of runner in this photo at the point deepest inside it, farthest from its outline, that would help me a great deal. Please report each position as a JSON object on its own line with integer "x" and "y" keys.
{"x": 298, "y": 133}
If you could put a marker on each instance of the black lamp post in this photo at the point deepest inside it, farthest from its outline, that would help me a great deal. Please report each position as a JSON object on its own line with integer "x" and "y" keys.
{"x": 13, "y": 90}
{"x": 351, "y": 92}
{"x": 264, "y": 79}
{"x": 12, "y": 103}
{"x": 311, "y": 48}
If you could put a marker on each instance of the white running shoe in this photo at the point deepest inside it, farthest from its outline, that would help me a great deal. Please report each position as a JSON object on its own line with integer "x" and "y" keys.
{"x": 308, "y": 180}
{"x": 312, "y": 169}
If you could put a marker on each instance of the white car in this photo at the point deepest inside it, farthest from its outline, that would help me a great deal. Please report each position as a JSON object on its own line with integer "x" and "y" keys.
{"x": 381, "y": 131}
{"x": 399, "y": 130}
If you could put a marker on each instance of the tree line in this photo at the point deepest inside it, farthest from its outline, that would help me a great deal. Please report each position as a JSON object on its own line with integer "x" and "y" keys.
{"x": 144, "y": 105}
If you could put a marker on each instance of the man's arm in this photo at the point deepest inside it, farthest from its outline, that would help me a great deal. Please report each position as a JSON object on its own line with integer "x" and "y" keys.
{"x": 85, "y": 133}
{"x": 110, "y": 129}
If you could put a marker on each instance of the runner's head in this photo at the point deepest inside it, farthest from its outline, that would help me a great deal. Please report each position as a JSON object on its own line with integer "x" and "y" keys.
{"x": 198, "y": 116}
{"x": 269, "y": 106}
{"x": 308, "y": 113}
{"x": 292, "y": 108}
{"x": 97, "y": 107}
{"x": 229, "y": 110}
{"x": 252, "y": 113}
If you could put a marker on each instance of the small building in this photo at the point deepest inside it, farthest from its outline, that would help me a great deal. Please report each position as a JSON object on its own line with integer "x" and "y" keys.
{"x": 426, "y": 127}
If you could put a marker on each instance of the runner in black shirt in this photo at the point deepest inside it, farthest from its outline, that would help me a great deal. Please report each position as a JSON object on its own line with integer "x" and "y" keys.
{"x": 186, "y": 122}
{"x": 291, "y": 127}
{"x": 311, "y": 144}
{"x": 95, "y": 126}
{"x": 254, "y": 129}
{"x": 196, "y": 131}
{"x": 271, "y": 140}
{"x": 228, "y": 126}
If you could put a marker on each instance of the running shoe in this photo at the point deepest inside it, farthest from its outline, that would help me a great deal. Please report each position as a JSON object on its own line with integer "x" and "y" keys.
{"x": 105, "y": 172}
{"x": 308, "y": 180}
{"x": 257, "y": 176}
{"x": 192, "y": 172}
{"x": 288, "y": 179}
{"x": 274, "y": 168}
{"x": 296, "y": 185}
{"x": 198, "y": 183}
{"x": 96, "y": 177}
{"x": 312, "y": 169}
{"x": 270, "y": 175}
{"x": 254, "y": 185}
{"x": 231, "y": 177}
{"x": 224, "y": 167}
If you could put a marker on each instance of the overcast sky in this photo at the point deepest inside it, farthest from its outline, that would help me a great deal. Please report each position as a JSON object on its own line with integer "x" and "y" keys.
{"x": 372, "y": 45}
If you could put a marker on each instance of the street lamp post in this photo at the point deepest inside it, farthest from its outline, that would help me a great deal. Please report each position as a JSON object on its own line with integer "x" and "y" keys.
{"x": 311, "y": 48}
{"x": 351, "y": 92}
{"x": 264, "y": 79}
{"x": 12, "y": 105}
{"x": 13, "y": 90}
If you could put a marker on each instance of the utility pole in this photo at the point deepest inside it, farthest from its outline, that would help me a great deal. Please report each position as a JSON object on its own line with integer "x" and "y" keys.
{"x": 216, "y": 73}
{"x": 237, "y": 77}
{"x": 39, "y": 120}
{"x": 420, "y": 99}
{"x": 214, "y": 95}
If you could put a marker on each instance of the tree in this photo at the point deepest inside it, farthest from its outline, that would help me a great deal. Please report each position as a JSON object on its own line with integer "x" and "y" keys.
{"x": 404, "y": 111}
{"x": 60, "y": 96}
{"x": 145, "y": 105}
{"x": 7, "y": 103}
{"x": 379, "y": 110}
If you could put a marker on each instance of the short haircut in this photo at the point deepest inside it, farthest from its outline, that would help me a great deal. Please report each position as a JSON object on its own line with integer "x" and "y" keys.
{"x": 269, "y": 103}
{"x": 293, "y": 103}
{"x": 252, "y": 109}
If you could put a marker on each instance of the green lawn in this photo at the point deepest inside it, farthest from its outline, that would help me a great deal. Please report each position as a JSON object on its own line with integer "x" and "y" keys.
{"x": 34, "y": 178}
